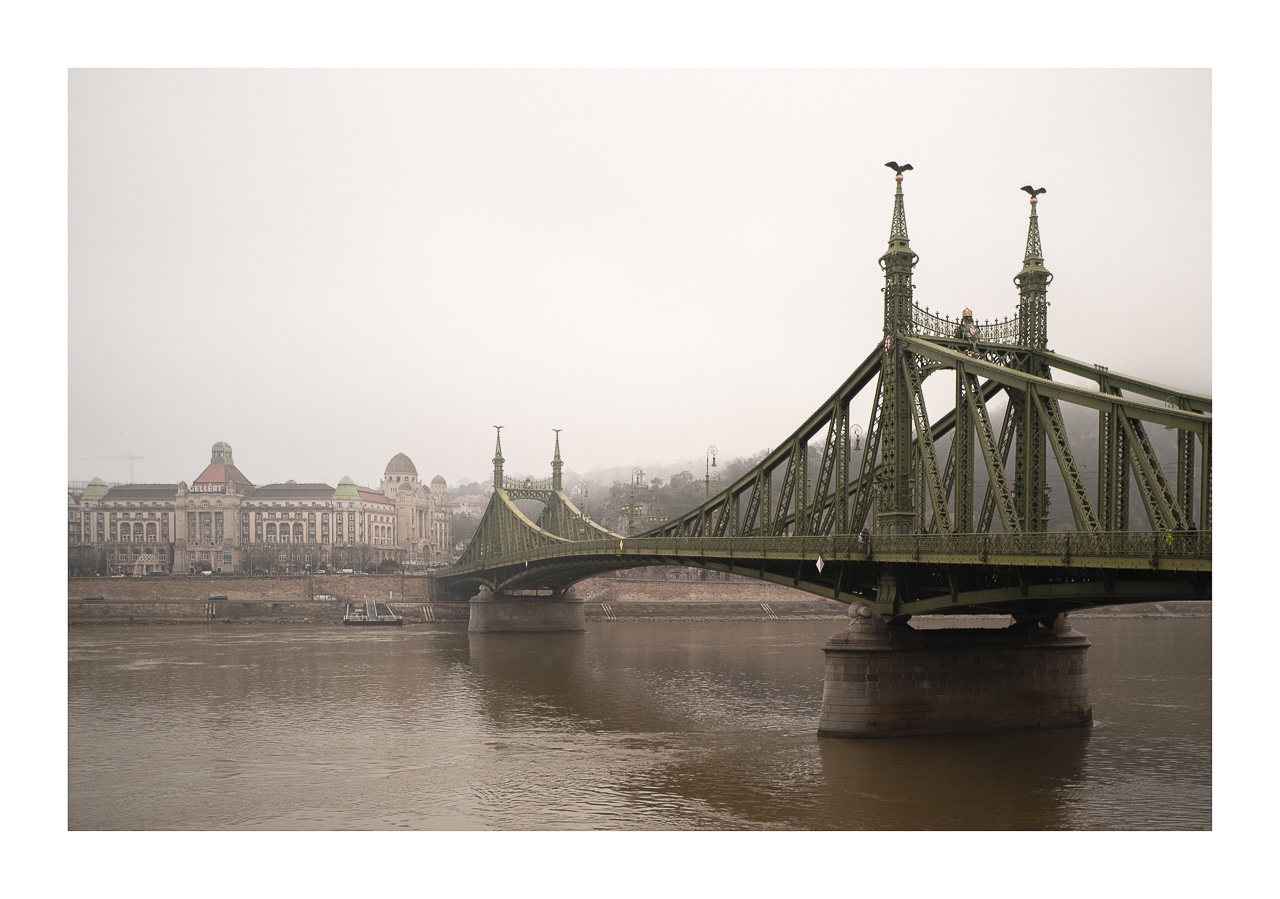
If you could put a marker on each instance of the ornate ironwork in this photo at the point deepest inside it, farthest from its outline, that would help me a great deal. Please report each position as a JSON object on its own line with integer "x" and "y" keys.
{"x": 925, "y": 323}
{"x": 776, "y": 528}
{"x": 527, "y": 483}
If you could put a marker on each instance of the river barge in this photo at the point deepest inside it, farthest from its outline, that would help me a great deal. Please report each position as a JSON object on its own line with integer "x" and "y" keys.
{"x": 366, "y": 614}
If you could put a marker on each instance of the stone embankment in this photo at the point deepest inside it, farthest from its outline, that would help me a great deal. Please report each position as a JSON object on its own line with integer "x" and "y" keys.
{"x": 323, "y": 598}
{"x": 294, "y": 600}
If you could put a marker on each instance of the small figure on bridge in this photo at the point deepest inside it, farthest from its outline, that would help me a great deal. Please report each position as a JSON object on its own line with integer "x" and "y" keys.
{"x": 968, "y": 329}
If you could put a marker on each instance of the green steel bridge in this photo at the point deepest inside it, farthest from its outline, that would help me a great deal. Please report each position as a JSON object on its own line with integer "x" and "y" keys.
{"x": 945, "y": 515}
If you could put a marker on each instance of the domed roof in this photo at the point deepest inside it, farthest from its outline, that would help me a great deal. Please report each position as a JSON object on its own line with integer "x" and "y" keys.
{"x": 346, "y": 489}
{"x": 401, "y": 464}
{"x": 438, "y": 480}
{"x": 95, "y": 489}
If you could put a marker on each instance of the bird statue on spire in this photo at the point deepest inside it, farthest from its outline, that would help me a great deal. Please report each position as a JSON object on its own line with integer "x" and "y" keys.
{"x": 898, "y": 168}
{"x": 1034, "y": 191}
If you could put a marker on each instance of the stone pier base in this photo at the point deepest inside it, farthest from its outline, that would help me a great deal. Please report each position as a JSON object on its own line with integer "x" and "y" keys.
{"x": 891, "y": 682}
{"x": 557, "y": 612}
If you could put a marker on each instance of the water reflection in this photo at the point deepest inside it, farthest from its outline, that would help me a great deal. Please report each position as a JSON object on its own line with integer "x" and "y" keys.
{"x": 1009, "y": 781}
{"x": 633, "y": 725}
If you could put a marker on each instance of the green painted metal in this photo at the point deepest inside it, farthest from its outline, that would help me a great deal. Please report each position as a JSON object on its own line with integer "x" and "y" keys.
{"x": 895, "y": 505}
{"x": 962, "y": 457}
{"x": 965, "y": 559}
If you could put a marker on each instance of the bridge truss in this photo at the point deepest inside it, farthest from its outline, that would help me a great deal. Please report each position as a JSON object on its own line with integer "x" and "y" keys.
{"x": 931, "y": 515}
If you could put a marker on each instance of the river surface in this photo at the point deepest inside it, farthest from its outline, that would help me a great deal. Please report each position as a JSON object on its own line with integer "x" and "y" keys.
{"x": 635, "y": 725}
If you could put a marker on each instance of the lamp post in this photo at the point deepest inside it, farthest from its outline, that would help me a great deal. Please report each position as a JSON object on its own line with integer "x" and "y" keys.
{"x": 582, "y": 491}
{"x": 636, "y": 477}
{"x": 711, "y": 463}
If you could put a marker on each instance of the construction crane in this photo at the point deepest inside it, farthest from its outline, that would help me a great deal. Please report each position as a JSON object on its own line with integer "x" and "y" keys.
{"x": 113, "y": 459}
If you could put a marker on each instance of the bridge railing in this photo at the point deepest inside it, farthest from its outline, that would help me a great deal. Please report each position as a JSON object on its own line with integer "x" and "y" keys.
{"x": 931, "y": 324}
{"x": 509, "y": 483}
{"x": 1114, "y": 544}
{"x": 1057, "y": 549}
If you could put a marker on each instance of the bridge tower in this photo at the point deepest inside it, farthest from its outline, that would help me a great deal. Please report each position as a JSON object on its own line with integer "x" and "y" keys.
{"x": 557, "y": 465}
{"x": 1033, "y": 287}
{"x": 497, "y": 459}
{"x": 1030, "y": 485}
{"x": 895, "y": 512}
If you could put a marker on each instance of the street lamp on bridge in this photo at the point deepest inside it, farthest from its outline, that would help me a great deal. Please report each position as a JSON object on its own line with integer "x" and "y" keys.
{"x": 637, "y": 477}
{"x": 580, "y": 490}
{"x": 711, "y": 463}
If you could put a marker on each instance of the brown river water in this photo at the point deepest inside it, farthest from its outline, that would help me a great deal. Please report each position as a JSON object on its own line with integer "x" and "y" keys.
{"x": 635, "y": 725}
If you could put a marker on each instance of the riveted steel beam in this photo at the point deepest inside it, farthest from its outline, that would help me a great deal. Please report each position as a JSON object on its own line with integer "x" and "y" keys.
{"x": 926, "y": 452}
{"x": 1078, "y": 495}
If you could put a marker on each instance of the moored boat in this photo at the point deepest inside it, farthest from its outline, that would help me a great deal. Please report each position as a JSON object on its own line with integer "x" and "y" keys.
{"x": 367, "y": 613}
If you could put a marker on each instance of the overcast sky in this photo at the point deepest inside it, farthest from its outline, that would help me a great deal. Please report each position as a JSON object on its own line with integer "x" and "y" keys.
{"x": 324, "y": 267}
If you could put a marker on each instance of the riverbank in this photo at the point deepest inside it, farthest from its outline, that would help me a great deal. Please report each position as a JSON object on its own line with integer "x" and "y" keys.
{"x": 82, "y": 612}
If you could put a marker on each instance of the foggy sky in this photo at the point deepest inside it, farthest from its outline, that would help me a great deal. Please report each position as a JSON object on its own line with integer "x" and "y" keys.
{"x": 325, "y": 268}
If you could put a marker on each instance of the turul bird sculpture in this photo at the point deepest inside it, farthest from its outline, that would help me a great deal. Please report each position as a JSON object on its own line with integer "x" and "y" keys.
{"x": 1033, "y": 191}
{"x": 899, "y": 168}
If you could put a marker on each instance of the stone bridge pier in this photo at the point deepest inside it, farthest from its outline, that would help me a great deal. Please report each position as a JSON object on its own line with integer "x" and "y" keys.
{"x": 526, "y": 611}
{"x": 883, "y": 681}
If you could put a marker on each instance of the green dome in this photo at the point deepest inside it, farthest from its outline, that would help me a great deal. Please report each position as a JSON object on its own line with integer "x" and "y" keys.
{"x": 221, "y": 454}
{"x": 346, "y": 489}
{"x": 96, "y": 489}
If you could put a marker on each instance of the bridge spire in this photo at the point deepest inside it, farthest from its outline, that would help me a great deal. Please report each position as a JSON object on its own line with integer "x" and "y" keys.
{"x": 1030, "y": 485}
{"x": 556, "y": 464}
{"x": 895, "y": 512}
{"x": 897, "y": 263}
{"x": 1033, "y": 283}
{"x": 497, "y": 460}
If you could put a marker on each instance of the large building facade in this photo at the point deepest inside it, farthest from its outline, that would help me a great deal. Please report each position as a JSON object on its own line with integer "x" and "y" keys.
{"x": 222, "y": 522}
